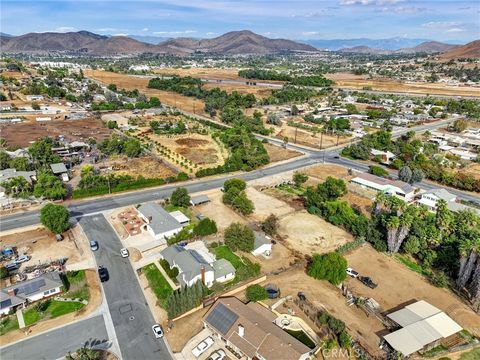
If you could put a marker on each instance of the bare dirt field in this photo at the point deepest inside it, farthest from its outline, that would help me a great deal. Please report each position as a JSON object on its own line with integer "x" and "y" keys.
{"x": 146, "y": 166}
{"x": 322, "y": 171}
{"x": 203, "y": 73}
{"x": 184, "y": 329}
{"x": 216, "y": 210}
{"x": 473, "y": 169}
{"x": 351, "y": 81}
{"x": 131, "y": 82}
{"x": 358, "y": 202}
{"x": 310, "y": 234}
{"x": 39, "y": 243}
{"x": 200, "y": 149}
{"x": 277, "y": 153}
{"x": 266, "y": 205}
{"x": 258, "y": 91}
{"x": 398, "y": 285}
{"x": 324, "y": 295}
{"x": 280, "y": 259}
{"x": 22, "y": 134}
{"x": 308, "y": 138}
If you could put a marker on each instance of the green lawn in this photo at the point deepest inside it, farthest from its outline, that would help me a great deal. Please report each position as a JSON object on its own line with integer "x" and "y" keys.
{"x": 158, "y": 283}
{"x": 8, "y": 324}
{"x": 412, "y": 265}
{"x": 76, "y": 285}
{"x": 223, "y": 252}
{"x": 471, "y": 355}
{"x": 186, "y": 211}
{"x": 49, "y": 309}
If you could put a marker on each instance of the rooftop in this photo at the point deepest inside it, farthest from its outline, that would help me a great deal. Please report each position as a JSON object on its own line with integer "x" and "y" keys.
{"x": 160, "y": 220}
{"x": 58, "y": 168}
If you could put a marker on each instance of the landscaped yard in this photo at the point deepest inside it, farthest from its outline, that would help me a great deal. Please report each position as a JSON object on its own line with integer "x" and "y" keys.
{"x": 7, "y": 324}
{"x": 76, "y": 285}
{"x": 158, "y": 283}
{"x": 223, "y": 252}
{"x": 49, "y": 309}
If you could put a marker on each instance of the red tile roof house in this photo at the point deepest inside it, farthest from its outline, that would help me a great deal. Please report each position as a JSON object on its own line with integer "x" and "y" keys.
{"x": 250, "y": 331}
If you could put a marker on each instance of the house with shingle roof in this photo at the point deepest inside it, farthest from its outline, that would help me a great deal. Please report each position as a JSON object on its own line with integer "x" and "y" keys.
{"x": 250, "y": 330}
{"x": 158, "y": 222}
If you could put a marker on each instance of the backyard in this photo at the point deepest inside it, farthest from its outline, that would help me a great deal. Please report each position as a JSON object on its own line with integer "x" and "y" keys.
{"x": 158, "y": 283}
{"x": 50, "y": 309}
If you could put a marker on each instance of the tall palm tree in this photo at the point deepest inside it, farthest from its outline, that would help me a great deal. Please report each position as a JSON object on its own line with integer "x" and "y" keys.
{"x": 469, "y": 251}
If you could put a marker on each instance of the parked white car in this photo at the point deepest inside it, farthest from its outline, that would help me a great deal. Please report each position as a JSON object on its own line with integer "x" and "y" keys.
{"x": 217, "y": 355}
{"x": 352, "y": 273}
{"x": 202, "y": 347}
{"x": 22, "y": 258}
{"x": 124, "y": 252}
{"x": 157, "y": 331}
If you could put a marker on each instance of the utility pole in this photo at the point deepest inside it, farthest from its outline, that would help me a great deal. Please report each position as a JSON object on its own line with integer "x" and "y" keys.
{"x": 321, "y": 144}
{"x": 296, "y": 129}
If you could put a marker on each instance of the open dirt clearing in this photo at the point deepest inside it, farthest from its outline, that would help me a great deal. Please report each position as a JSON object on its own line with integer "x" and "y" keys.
{"x": 145, "y": 166}
{"x": 324, "y": 295}
{"x": 351, "y": 81}
{"x": 203, "y": 73}
{"x": 397, "y": 285}
{"x": 131, "y": 82}
{"x": 184, "y": 329}
{"x": 277, "y": 153}
{"x": 216, "y": 210}
{"x": 259, "y": 91}
{"x": 322, "y": 171}
{"x": 473, "y": 169}
{"x": 310, "y": 234}
{"x": 22, "y": 134}
{"x": 308, "y": 138}
{"x": 266, "y": 205}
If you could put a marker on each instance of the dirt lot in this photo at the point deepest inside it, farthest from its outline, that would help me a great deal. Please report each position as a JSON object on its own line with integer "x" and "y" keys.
{"x": 351, "y": 81}
{"x": 308, "y": 138}
{"x": 39, "y": 243}
{"x": 266, "y": 205}
{"x": 397, "y": 285}
{"x": 200, "y": 149}
{"x": 145, "y": 166}
{"x": 22, "y": 134}
{"x": 324, "y": 295}
{"x": 321, "y": 172}
{"x": 473, "y": 169}
{"x": 217, "y": 211}
{"x": 184, "y": 329}
{"x": 280, "y": 259}
{"x": 311, "y": 234}
{"x": 203, "y": 73}
{"x": 277, "y": 153}
{"x": 259, "y": 91}
{"x": 131, "y": 82}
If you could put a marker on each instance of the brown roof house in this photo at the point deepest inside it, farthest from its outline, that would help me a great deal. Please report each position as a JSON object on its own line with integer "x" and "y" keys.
{"x": 249, "y": 330}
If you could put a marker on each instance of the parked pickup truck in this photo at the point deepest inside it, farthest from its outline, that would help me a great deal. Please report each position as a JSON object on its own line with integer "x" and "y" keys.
{"x": 367, "y": 281}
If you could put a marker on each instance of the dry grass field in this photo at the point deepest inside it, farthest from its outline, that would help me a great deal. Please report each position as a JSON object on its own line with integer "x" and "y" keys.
{"x": 351, "y": 81}
{"x": 473, "y": 169}
{"x": 277, "y": 153}
{"x": 203, "y": 73}
{"x": 259, "y": 91}
{"x": 22, "y": 134}
{"x": 131, "y": 82}
{"x": 266, "y": 205}
{"x": 145, "y": 166}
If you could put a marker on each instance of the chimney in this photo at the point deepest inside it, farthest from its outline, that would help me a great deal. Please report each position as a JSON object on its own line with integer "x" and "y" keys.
{"x": 202, "y": 271}
{"x": 241, "y": 330}
{"x": 11, "y": 292}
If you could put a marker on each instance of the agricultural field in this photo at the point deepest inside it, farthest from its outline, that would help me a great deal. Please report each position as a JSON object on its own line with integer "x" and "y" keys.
{"x": 351, "y": 81}
{"x": 203, "y": 73}
{"x": 23, "y": 134}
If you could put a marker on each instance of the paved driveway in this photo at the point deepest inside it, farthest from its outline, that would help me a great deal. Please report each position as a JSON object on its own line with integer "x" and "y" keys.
{"x": 128, "y": 308}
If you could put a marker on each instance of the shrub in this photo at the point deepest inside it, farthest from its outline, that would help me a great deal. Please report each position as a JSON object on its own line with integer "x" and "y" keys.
{"x": 205, "y": 227}
{"x": 55, "y": 218}
{"x": 256, "y": 293}
{"x": 180, "y": 197}
{"x": 270, "y": 225}
{"x": 331, "y": 267}
{"x": 439, "y": 279}
{"x": 239, "y": 237}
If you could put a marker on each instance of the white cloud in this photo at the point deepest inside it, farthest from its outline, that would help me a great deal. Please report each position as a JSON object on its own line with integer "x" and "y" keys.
{"x": 210, "y": 33}
{"x": 120, "y": 34}
{"x": 440, "y": 24}
{"x": 110, "y": 30}
{"x": 403, "y": 9}
{"x": 184, "y": 32}
{"x": 145, "y": 29}
{"x": 454, "y": 30}
{"x": 369, "y": 2}
{"x": 64, "y": 29}
{"x": 310, "y": 33}
{"x": 450, "y": 26}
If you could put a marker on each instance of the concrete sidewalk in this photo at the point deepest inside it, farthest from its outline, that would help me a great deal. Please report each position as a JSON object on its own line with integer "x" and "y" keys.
{"x": 21, "y": 320}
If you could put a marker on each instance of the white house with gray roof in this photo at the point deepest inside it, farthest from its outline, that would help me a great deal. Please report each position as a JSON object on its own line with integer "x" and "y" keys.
{"x": 194, "y": 265}
{"x": 10, "y": 173}
{"x": 29, "y": 291}
{"x": 262, "y": 245}
{"x": 158, "y": 222}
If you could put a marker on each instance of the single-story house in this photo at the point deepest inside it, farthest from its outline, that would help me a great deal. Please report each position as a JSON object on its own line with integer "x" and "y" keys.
{"x": 10, "y": 173}
{"x": 430, "y": 198}
{"x": 249, "y": 329}
{"x": 262, "y": 245}
{"x": 385, "y": 156}
{"x": 26, "y": 292}
{"x": 199, "y": 199}
{"x": 423, "y": 326}
{"x": 180, "y": 217}
{"x": 194, "y": 265}
{"x": 392, "y": 187}
{"x": 60, "y": 169}
{"x": 159, "y": 223}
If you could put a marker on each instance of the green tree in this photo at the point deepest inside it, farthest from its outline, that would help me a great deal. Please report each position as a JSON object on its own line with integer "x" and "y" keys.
{"x": 84, "y": 354}
{"x": 243, "y": 204}
{"x": 20, "y": 163}
{"x": 236, "y": 183}
{"x": 405, "y": 174}
{"x": 270, "y": 225}
{"x": 299, "y": 178}
{"x": 112, "y": 124}
{"x": 331, "y": 267}
{"x": 239, "y": 237}
{"x": 49, "y": 187}
{"x": 35, "y": 105}
{"x": 132, "y": 148}
{"x": 42, "y": 154}
{"x": 205, "y": 227}
{"x": 5, "y": 160}
{"x": 180, "y": 197}
{"x": 112, "y": 87}
{"x": 55, "y": 218}
{"x": 417, "y": 176}
{"x": 351, "y": 109}
{"x": 17, "y": 187}
{"x": 256, "y": 293}
{"x": 332, "y": 188}
{"x": 378, "y": 171}
{"x": 459, "y": 125}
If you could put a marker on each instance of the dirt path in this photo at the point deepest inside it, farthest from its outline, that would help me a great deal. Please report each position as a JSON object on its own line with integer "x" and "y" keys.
{"x": 93, "y": 304}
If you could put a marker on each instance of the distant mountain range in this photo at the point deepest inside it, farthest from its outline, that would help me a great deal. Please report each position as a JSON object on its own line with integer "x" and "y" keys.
{"x": 232, "y": 43}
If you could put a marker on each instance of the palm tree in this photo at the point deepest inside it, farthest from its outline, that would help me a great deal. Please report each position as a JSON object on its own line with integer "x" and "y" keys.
{"x": 469, "y": 251}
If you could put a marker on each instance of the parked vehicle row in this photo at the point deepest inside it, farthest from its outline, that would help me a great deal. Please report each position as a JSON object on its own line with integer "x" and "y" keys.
{"x": 363, "y": 279}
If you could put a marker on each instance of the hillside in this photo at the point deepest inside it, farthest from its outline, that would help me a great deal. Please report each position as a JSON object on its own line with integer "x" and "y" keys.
{"x": 429, "y": 47}
{"x": 232, "y": 43}
{"x": 470, "y": 50}
{"x": 235, "y": 42}
{"x": 364, "y": 50}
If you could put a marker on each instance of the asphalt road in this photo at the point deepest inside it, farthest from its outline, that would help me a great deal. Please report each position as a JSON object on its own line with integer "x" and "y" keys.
{"x": 57, "y": 343}
{"x": 128, "y": 308}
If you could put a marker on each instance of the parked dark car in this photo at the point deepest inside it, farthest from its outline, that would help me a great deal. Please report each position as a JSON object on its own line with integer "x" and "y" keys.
{"x": 103, "y": 274}
{"x": 367, "y": 281}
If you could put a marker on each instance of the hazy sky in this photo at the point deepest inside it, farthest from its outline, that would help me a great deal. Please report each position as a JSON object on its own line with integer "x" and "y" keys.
{"x": 321, "y": 19}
